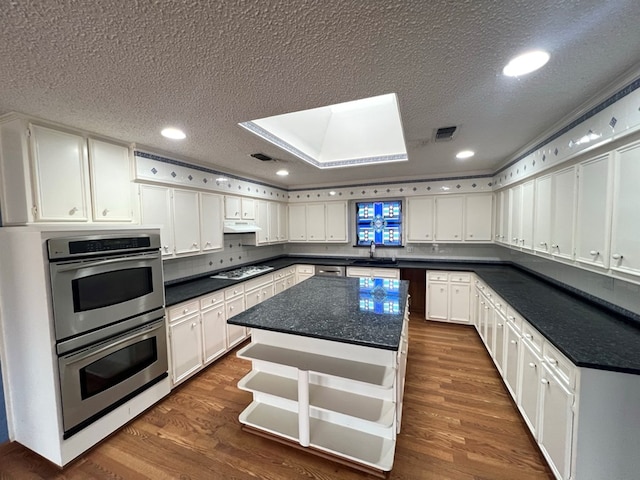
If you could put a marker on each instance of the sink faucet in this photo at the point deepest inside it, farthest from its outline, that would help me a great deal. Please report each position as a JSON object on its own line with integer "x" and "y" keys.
{"x": 372, "y": 249}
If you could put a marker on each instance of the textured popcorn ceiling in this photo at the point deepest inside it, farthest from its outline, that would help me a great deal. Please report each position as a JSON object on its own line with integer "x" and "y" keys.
{"x": 126, "y": 69}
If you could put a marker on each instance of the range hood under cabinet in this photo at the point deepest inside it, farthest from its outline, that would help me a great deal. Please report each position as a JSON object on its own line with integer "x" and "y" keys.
{"x": 240, "y": 226}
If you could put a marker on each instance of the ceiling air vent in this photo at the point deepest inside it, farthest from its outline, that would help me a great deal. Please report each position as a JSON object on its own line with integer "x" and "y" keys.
{"x": 444, "y": 134}
{"x": 261, "y": 156}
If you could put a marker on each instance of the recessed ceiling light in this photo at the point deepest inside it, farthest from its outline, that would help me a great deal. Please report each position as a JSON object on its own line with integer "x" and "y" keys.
{"x": 465, "y": 154}
{"x": 332, "y": 193}
{"x": 173, "y": 134}
{"x": 221, "y": 179}
{"x": 526, "y": 63}
{"x": 282, "y": 173}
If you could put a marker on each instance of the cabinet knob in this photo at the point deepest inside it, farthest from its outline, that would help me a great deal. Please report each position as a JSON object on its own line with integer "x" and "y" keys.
{"x": 166, "y": 248}
{"x": 554, "y": 245}
{"x": 193, "y": 325}
{"x": 515, "y": 239}
{"x": 552, "y": 361}
{"x": 513, "y": 342}
{"x": 231, "y": 308}
{"x": 544, "y": 381}
{"x": 543, "y": 244}
{"x": 471, "y": 235}
{"x": 426, "y": 235}
{"x": 185, "y": 310}
{"x": 532, "y": 365}
{"x": 499, "y": 325}
{"x": 594, "y": 253}
{"x": 73, "y": 210}
{"x": 195, "y": 245}
{"x": 616, "y": 256}
{"x": 105, "y": 212}
{"x": 528, "y": 336}
{"x": 455, "y": 236}
{"x": 219, "y": 313}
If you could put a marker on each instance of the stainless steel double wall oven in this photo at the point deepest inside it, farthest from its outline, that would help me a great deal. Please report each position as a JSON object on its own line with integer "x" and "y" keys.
{"x": 108, "y": 303}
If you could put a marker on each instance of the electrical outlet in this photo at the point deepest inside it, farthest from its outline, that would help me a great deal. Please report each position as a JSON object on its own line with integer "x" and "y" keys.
{"x": 409, "y": 249}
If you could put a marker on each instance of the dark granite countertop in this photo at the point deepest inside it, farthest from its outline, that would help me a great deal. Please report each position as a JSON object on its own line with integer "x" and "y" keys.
{"x": 341, "y": 309}
{"x": 587, "y": 332}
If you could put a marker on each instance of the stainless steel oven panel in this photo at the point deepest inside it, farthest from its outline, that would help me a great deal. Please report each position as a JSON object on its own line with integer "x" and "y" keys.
{"x": 75, "y": 409}
{"x": 102, "y": 244}
{"x": 69, "y": 323}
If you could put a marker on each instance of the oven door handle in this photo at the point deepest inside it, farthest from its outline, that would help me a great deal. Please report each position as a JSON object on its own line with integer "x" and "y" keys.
{"x": 110, "y": 344}
{"x": 99, "y": 263}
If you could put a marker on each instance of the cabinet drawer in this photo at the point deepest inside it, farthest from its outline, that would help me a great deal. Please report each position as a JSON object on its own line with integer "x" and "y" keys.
{"x": 560, "y": 366}
{"x": 438, "y": 276}
{"x": 532, "y": 337}
{"x": 460, "y": 277}
{"x": 258, "y": 282}
{"x": 514, "y": 319}
{"x": 305, "y": 269}
{"x": 233, "y": 291}
{"x": 280, "y": 274}
{"x": 212, "y": 299}
{"x": 182, "y": 310}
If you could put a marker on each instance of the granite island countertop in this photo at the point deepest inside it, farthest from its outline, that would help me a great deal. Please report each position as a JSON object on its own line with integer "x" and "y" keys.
{"x": 590, "y": 335}
{"x": 359, "y": 311}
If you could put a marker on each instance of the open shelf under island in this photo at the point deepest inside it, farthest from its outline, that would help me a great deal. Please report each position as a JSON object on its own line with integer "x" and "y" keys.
{"x": 328, "y": 363}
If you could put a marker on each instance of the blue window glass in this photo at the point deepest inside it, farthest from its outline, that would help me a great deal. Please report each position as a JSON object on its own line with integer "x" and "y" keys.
{"x": 379, "y": 222}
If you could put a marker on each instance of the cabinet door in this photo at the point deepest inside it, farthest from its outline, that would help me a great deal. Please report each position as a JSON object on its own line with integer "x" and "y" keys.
{"x": 498, "y": 349}
{"x": 262, "y": 220}
{"x": 248, "y": 207}
{"x": 61, "y": 175}
{"x": 283, "y": 223}
{"x": 530, "y": 387}
{"x": 593, "y": 219}
{"x": 515, "y": 222}
{"x": 316, "y": 223}
{"x": 420, "y": 219}
{"x": 297, "y": 223}
{"x": 449, "y": 211}
{"x": 110, "y": 170}
{"x": 542, "y": 215}
{"x": 437, "y": 301}
{"x": 186, "y": 221}
{"x": 235, "y": 333}
{"x": 210, "y": 221}
{"x": 526, "y": 229}
{"x": 459, "y": 302}
{"x": 214, "y": 332}
{"x": 155, "y": 210}
{"x": 336, "y": 221}
{"x": 556, "y": 423}
{"x": 272, "y": 218}
{"x": 185, "y": 339}
{"x": 563, "y": 195}
{"x": 478, "y": 209}
{"x": 490, "y": 321}
{"x": 232, "y": 208}
{"x": 625, "y": 243}
{"x": 511, "y": 360}
{"x": 506, "y": 217}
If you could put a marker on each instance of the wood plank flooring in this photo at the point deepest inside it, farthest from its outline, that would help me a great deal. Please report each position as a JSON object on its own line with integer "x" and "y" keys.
{"x": 459, "y": 423}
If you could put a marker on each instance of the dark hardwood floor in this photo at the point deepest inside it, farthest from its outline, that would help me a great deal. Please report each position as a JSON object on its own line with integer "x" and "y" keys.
{"x": 459, "y": 423}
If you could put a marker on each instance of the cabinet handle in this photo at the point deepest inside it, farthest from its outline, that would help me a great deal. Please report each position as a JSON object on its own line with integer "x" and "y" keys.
{"x": 471, "y": 235}
{"x": 552, "y": 361}
{"x": 208, "y": 243}
{"x": 166, "y": 248}
{"x": 532, "y": 365}
{"x": 499, "y": 325}
{"x": 616, "y": 256}
{"x": 497, "y": 305}
{"x": 554, "y": 245}
{"x": 73, "y": 210}
{"x": 514, "y": 342}
{"x": 594, "y": 253}
{"x": 522, "y": 241}
{"x": 105, "y": 212}
{"x": 543, "y": 244}
{"x": 512, "y": 318}
{"x": 185, "y": 310}
{"x": 426, "y": 235}
{"x": 219, "y": 313}
{"x": 528, "y": 336}
{"x": 514, "y": 239}
{"x": 231, "y": 308}
{"x": 486, "y": 308}
{"x": 544, "y": 381}
{"x": 193, "y": 325}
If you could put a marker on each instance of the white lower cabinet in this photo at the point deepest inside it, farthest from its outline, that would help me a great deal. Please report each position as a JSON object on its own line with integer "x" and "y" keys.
{"x": 235, "y": 304}
{"x": 512, "y": 356}
{"x": 345, "y": 404}
{"x": 303, "y": 272}
{"x": 185, "y": 340}
{"x": 448, "y": 296}
{"x": 528, "y": 399}
{"x": 214, "y": 333}
{"x": 372, "y": 272}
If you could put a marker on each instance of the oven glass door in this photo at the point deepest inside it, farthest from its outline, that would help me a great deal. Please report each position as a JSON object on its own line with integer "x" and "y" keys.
{"x": 92, "y": 294}
{"x": 99, "y": 378}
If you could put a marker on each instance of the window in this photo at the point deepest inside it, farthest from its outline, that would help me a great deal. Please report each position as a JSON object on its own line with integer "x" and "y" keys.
{"x": 379, "y": 222}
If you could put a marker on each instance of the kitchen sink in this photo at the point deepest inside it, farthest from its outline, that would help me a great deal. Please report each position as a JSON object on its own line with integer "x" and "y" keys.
{"x": 374, "y": 261}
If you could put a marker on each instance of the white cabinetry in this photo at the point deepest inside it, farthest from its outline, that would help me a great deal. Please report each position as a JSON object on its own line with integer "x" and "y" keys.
{"x": 373, "y": 272}
{"x": 283, "y": 223}
{"x": 111, "y": 187}
{"x": 239, "y": 208}
{"x": 512, "y": 360}
{"x": 593, "y": 218}
{"x": 477, "y": 217}
{"x": 448, "y": 296}
{"x": 258, "y": 290}
{"x": 156, "y": 210}
{"x": 210, "y": 222}
{"x": 515, "y": 223}
{"x": 318, "y": 222}
{"x": 505, "y": 217}
{"x": 303, "y": 272}
{"x": 214, "y": 332}
{"x": 420, "y": 219}
{"x": 526, "y": 228}
{"x": 542, "y": 215}
{"x": 272, "y": 220}
{"x": 345, "y": 405}
{"x": 185, "y": 340}
{"x": 531, "y": 368}
{"x": 336, "y": 221}
{"x": 186, "y": 221}
{"x": 563, "y": 195}
{"x": 449, "y": 218}
{"x": 625, "y": 246}
{"x": 234, "y": 304}
{"x": 297, "y": 223}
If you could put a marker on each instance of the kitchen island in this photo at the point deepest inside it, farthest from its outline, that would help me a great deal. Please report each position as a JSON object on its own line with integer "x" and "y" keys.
{"x": 328, "y": 362}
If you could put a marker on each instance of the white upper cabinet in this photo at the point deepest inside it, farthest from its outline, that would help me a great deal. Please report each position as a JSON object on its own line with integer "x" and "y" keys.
{"x": 272, "y": 215}
{"x": 336, "y": 221}
{"x": 562, "y": 224}
{"x": 297, "y": 223}
{"x": 477, "y": 213}
{"x": 283, "y": 223}
{"x": 239, "y": 208}
{"x": 515, "y": 220}
{"x": 61, "y": 172}
{"x": 505, "y": 217}
{"x": 156, "y": 211}
{"x": 625, "y": 236}
{"x": 449, "y": 220}
{"x": 420, "y": 219}
{"x": 111, "y": 187}
{"x": 248, "y": 208}
{"x": 542, "y": 215}
{"x": 526, "y": 217}
{"x": 210, "y": 221}
{"x": 316, "y": 222}
{"x": 593, "y": 218}
{"x": 186, "y": 221}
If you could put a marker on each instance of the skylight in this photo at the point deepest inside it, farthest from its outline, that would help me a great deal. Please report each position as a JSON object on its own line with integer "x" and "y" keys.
{"x": 360, "y": 132}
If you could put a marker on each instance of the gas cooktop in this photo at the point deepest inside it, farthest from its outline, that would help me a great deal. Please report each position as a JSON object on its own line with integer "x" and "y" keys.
{"x": 243, "y": 272}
